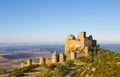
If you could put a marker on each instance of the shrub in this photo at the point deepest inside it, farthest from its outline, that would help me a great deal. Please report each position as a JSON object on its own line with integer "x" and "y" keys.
{"x": 21, "y": 71}
{"x": 51, "y": 66}
{"x": 60, "y": 70}
{"x": 45, "y": 74}
{"x": 69, "y": 63}
{"x": 16, "y": 73}
{"x": 3, "y": 71}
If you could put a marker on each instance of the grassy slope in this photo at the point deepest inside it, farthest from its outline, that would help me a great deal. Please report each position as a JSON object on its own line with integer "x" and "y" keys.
{"x": 100, "y": 63}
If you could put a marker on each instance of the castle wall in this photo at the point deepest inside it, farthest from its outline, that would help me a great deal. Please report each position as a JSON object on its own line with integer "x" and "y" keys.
{"x": 86, "y": 49}
{"x": 73, "y": 55}
{"x": 88, "y": 42}
{"x": 71, "y": 43}
{"x": 74, "y": 48}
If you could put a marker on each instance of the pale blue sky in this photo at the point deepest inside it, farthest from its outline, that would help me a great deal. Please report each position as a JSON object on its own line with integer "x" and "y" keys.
{"x": 50, "y": 21}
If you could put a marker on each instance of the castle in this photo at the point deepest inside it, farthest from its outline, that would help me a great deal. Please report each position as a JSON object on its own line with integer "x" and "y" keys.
{"x": 78, "y": 44}
{"x": 74, "y": 48}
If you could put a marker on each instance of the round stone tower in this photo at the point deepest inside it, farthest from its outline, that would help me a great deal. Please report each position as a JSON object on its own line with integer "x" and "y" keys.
{"x": 29, "y": 62}
{"x": 67, "y": 42}
{"x": 22, "y": 65}
{"x": 42, "y": 61}
{"x": 70, "y": 37}
{"x": 55, "y": 57}
{"x": 61, "y": 57}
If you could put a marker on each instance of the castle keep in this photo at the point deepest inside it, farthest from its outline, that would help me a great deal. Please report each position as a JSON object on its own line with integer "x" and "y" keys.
{"x": 74, "y": 48}
{"x": 78, "y": 44}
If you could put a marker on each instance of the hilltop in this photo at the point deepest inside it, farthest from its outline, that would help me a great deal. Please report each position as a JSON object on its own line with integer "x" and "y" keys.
{"x": 99, "y": 63}
{"x": 82, "y": 58}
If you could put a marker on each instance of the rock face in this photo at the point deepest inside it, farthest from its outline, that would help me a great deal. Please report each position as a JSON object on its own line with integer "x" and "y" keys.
{"x": 79, "y": 43}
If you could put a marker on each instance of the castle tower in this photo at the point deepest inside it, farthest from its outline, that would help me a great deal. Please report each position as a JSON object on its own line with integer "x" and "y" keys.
{"x": 73, "y": 55}
{"x": 42, "y": 61}
{"x": 61, "y": 57}
{"x": 29, "y": 62}
{"x": 94, "y": 43}
{"x": 67, "y": 42}
{"x": 55, "y": 57}
{"x": 22, "y": 65}
{"x": 72, "y": 44}
{"x": 81, "y": 37}
{"x": 86, "y": 49}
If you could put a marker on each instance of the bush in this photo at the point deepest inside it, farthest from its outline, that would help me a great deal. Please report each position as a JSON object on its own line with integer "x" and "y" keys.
{"x": 51, "y": 66}
{"x": 60, "y": 70}
{"x": 16, "y": 73}
{"x": 21, "y": 71}
{"x": 3, "y": 71}
{"x": 69, "y": 63}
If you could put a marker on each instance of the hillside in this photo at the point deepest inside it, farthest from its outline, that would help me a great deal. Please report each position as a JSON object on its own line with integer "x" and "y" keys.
{"x": 99, "y": 63}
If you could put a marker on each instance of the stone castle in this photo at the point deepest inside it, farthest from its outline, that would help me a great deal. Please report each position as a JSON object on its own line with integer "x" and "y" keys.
{"x": 74, "y": 48}
{"x": 79, "y": 43}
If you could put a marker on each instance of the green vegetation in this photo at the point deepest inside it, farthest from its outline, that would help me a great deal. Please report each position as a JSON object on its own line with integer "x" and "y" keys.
{"x": 21, "y": 71}
{"x": 51, "y": 66}
{"x": 99, "y": 63}
{"x": 69, "y": 64}
{"x": 57, "y": 70}
{"x": 46, "y": 73}
{"x": 3, "y": 71}
{"x": 60, "y": 70}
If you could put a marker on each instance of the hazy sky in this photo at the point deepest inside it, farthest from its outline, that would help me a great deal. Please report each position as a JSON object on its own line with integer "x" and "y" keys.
{"x": 50, "y": 21}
